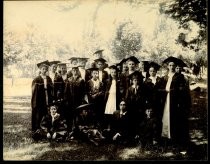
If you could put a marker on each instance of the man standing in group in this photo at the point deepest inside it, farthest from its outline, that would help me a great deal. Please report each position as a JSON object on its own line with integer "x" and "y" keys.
{"x": 41, "y": 95}
{"x": 85, "y": 75}
{"x": 103, "y": 75}
{"x": 56, "y": 79}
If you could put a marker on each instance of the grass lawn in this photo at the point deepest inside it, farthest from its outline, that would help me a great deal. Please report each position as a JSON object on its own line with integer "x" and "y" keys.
{"x": 17, "y": 143}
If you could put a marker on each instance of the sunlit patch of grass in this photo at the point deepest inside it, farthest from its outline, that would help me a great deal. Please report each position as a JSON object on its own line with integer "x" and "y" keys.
{"x": 129, "y": 153}
{"x": 26, "y": 152}
{"x": 14, "y": 129}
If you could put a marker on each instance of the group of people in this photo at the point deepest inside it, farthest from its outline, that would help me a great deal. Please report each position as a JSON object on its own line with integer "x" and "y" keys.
{"x": 133, "y": 100}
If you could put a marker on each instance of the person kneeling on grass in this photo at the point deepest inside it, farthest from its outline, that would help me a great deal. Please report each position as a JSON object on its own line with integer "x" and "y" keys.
{"x": 53, "y": 126}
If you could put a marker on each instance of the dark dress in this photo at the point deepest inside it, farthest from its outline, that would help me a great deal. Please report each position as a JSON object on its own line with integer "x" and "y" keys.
{"x": 39, "y": 100}
{"x": 177, "y": 111}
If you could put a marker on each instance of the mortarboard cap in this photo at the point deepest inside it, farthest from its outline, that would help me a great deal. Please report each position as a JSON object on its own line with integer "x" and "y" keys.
{"x": 100, "y": 59}
{"x": 93, "y": 69}
{"x": 73, "y": 59}
{"x": 44, "y": 63}
{"x": 113, "y": 67}
{"x": 171, "y": 59}
{"x": 122, "y": 61}
{"x": 54, "y": 62}
{"x": 98, "y": 52}
{"x": 136, "y": 75}
{"x": 84, "y": 106}
{"x": 154, "y": 65}
{"x": 75, "y": 67}
{"x": 83, "y": 59}
{"x": 134, "y": 59}
{"x": 181, "y": 63}
{"x": 61, "y": 64}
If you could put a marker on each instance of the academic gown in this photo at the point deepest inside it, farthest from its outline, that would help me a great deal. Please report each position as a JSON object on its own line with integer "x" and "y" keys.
{"x": 73, "y": 97}
{"x": 178, "y": 119}
{"x": 38, "y": 100}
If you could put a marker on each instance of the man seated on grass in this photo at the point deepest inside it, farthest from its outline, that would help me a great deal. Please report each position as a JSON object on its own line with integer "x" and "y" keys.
{"x": 53, "y": 126}
{"x": 120, "y": 124}
{"x": 85, "y": 129}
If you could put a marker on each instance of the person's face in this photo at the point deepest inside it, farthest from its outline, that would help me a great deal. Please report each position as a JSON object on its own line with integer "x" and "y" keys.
{"x": 135, "y": 81}
{"x": 53, "y": 67}
{"x": 124, "y": 67}
{"x": 178, "y": 69}
{"x": 82, "y": 64}
{"x": 152, "y": 72}
{"x": 63, "y": 69}
{"x": 131, "y": 65}
{"x": 100, "y": 65}
{"x": 113, "y": 73}
{"x": 43, "y": 70}
{"x": 122, "y": 105}
{"x": 95, "y": 74}
{"x": 164, "y": 71}
{"x": 53, "y": 110}
{"x": 84, "y": 112}
{"x": 75, "y": 71}
{"x": 171, "y": 66}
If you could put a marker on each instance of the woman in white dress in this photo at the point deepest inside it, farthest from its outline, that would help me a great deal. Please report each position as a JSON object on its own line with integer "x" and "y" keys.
{"x": 174, "y": 84}
{"x": 112, "y": 96}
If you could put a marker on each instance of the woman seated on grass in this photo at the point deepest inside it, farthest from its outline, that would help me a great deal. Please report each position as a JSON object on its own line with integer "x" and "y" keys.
{"x": 53, "y": 126}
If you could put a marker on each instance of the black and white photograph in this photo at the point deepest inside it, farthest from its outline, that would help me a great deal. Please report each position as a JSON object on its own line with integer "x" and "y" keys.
{"x": 105, "y": 80}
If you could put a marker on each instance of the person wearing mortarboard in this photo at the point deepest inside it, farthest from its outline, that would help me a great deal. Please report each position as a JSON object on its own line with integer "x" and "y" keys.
{"x": 126, "y": 77}
{"x": 73, "y": 63}
{"x": 96, "y": 55}
{"x": 96, "y": 90}
{"x": 56, "y": 79}
{"x": 174, "y": 120}
{"x": 143, "y": 68}
{"x": 153, "y": 95}
{"x": 64, "y": 78}
{"x": 123, "y": 65}
{"x": 73, "y": 95}
{"x": 41, "y": 95}
{"x": 103, "y": 75}
{"x": 85, "y": 74}
{"x": 135, "y": 98}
